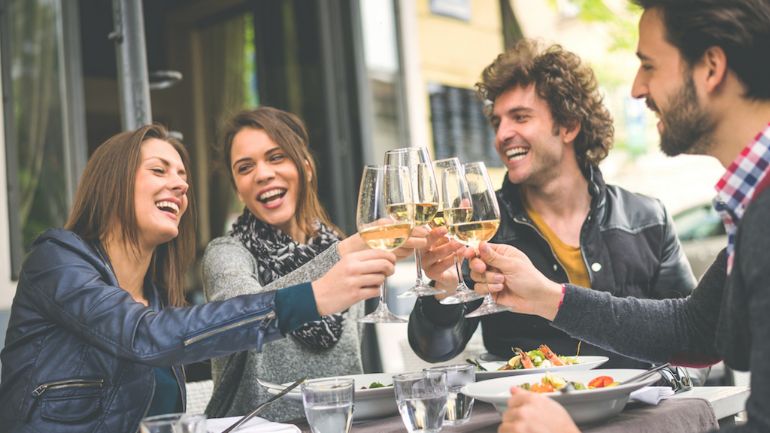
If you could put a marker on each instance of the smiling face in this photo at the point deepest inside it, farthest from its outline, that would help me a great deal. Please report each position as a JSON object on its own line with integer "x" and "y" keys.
{"x": 666, "y": 83}
{"x": 525, "y": 137}
{"x": 267, "y": 180}
{"x": 160, "y": 193}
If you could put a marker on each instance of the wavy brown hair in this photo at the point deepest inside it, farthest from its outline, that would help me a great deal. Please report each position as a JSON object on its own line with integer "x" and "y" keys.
{"x": 289, "y": 132}
{"x": 106, "y": 195}
{"x": 566, "y": 84}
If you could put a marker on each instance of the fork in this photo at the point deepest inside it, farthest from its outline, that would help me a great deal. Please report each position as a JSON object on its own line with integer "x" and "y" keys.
{"x": 262, "y": 406}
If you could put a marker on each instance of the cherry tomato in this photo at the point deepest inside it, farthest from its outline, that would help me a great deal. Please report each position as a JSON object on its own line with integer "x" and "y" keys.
{"x": 601, "y": 382}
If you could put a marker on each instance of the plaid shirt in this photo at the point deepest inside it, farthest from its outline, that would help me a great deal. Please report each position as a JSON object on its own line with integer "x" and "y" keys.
{"x": 737, "y": 187}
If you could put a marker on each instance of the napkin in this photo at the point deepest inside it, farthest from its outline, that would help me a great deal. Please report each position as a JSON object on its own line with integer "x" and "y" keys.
{"x": 651, "y": 394}
{"x": 254, "y": 425}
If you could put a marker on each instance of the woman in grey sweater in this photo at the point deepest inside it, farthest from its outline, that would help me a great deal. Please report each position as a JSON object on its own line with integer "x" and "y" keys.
{"x": 283, "y": 235}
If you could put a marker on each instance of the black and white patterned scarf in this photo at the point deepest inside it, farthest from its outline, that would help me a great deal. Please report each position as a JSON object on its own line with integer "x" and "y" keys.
{"x": 277, "y": 254}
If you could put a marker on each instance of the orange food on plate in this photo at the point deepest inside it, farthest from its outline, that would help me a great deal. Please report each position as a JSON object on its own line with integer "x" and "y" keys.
{"x": 601, "y": 382}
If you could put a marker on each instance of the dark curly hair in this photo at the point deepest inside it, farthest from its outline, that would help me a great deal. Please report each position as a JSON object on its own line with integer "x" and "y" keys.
{"x": 566, "y": 84}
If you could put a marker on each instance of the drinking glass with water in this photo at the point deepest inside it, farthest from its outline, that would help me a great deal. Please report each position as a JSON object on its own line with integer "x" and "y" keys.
{"x": 328, "y": 404}
{"x": 458, "y": 405}
{"x": 421, "y": 398}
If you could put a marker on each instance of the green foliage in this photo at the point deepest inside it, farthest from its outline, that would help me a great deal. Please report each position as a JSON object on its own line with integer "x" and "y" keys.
{"x": 622, "y": 27}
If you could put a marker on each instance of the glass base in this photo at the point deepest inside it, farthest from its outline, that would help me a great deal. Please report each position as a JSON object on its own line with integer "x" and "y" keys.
{"x": 461, "y": 296}
{"x": 488, "y": 308}
{"x": 421, "y": 289}
{"x": 381, "y": 315}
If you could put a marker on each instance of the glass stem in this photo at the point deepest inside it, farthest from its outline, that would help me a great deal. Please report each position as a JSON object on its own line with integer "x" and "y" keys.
{"x": 382, "y": 295}
{"x": 459, "y": 275}
{"x": 418, "y": 262}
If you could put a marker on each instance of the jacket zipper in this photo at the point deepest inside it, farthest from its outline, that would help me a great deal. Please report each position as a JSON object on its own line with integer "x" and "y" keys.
{"x": 73, "y": 383}
{"x": 192, "y": 340}
{"x": 553, "y": 254}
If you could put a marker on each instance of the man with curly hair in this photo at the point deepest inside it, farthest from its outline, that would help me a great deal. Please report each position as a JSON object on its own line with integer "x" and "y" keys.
{"x": 552, "y": 130}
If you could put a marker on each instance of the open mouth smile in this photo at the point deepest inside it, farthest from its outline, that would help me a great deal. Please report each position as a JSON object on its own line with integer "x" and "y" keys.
{"x": 516, "y": 153}
{"x": 168, "y": 206}
{"x": 271, "y": 195}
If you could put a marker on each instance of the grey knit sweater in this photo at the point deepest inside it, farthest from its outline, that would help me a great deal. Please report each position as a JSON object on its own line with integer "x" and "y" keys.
{"x": 230, "y": 270}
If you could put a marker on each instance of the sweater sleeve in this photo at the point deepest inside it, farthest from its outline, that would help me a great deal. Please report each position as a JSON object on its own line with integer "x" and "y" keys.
{"x": 653, "y": 330}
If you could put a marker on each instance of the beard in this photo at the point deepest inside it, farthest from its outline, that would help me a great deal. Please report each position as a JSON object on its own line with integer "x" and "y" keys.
{"x": 687, "y": 127}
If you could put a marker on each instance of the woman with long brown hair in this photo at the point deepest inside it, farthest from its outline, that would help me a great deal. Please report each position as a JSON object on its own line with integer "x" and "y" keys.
{"x": 98, "y": 333}
{"x": 283, "y": 235}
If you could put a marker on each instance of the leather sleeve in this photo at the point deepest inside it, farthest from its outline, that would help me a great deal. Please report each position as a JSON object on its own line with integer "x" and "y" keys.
{"x": 440, "y": 332}
{"x": 65, "y": 287}
{"x": 675, "y": 278}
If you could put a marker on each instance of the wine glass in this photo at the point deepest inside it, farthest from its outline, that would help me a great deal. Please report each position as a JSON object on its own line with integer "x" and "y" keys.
{"x": 425, "y": 197}
{"x": 454, "y": 205}
{"x": 482, "y": 224}
{"x": 385, "y": 217}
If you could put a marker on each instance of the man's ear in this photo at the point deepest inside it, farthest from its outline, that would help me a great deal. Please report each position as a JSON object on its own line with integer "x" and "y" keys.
{"x": 715, "y": 64}
{"x": 570, "y": 132}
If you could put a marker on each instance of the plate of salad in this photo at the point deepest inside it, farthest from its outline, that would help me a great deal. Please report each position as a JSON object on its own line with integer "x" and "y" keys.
{"x": 374, "y": 396}
{"x": 593, "y": 395}
{"x": 539, "y": 360}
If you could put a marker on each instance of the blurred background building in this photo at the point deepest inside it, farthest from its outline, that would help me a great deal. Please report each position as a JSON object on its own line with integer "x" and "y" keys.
{"x": 366, "y": 76}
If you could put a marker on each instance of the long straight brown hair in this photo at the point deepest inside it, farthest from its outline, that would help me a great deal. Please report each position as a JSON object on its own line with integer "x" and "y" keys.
{"x": 289, "y": 132}
{"x": 105, "y": 196}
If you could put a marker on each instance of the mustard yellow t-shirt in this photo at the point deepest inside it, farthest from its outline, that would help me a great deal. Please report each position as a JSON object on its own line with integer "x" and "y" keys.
{"x": 569, "y": 256}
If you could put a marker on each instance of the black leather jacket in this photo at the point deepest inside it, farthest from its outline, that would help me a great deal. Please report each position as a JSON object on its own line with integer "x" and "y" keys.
{"x": 629, "y": 246}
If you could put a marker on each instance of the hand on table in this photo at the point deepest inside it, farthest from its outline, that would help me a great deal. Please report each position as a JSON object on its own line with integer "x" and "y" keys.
{"x": 529, "y": 412}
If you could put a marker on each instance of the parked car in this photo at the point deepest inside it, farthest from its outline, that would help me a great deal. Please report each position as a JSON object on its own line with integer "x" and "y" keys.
{"x": 702, "y": 235}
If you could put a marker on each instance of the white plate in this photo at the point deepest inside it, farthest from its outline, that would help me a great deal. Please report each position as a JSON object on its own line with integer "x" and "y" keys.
{"x": 583, "y": 406}
{"x": 369, "y": 403}
{"x": 584, "y": 363}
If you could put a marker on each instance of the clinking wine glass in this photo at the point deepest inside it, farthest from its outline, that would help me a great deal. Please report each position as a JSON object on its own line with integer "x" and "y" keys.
{"x": 425, "y": 195}
{"x": 385, "y": 217}
{"x": 454, "y": 205}
{"x": 482, "y": 224}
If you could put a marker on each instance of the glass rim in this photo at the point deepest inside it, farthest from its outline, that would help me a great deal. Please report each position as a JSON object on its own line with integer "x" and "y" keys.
{"x": 414, "y": 375}
{"x": 406, "y": 149}
{"x": 451, "y": 367}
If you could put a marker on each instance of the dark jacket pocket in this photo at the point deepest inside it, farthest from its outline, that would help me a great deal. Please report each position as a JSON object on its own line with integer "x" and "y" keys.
{"x": 72, "y": 402}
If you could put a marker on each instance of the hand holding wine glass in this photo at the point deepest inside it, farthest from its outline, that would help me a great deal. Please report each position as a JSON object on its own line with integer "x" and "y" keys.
{"x": 385, "y": 217}
{"x": 425, "y": 196}
{"x": 482, "y": 224}
{"x": 454, "y": 206}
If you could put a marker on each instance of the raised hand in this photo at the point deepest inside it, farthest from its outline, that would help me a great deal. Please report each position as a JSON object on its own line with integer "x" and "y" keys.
{"x": 356, "y": 277}
{"x": 535, "y": 413}
{"x": 438, "y": 258}
{"x": 504, "y": 270}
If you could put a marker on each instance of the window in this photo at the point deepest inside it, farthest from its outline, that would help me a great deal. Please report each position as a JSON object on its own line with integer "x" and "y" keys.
{"x": 42, "y": 161}
{"x": 460, "y": 127}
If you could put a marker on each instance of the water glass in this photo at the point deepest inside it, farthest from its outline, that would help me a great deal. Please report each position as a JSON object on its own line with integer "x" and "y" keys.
{"x": 328, "y": 404}
{"x": 458, "y": 405}
{"x": 174, "y": 423}
{"x": 421, "y": 398}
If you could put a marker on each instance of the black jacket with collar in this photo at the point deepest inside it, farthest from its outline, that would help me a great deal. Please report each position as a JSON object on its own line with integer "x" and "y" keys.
{"x": 629, "y": 247}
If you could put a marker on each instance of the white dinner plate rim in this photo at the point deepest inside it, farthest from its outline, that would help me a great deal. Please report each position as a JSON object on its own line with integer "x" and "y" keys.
{"x": 588, "y": 362}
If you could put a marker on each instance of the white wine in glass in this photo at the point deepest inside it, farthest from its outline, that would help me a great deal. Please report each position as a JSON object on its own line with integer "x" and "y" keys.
{"x": 455, "y": 207}
{"x": 482, "y": 225}
{"x": 385, "y": 217}
{"x": 425, "y": 197}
